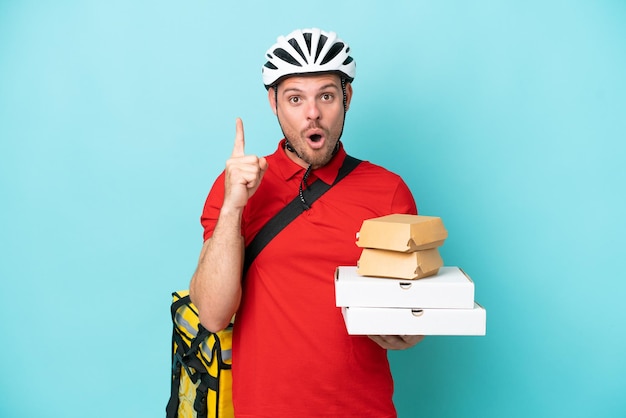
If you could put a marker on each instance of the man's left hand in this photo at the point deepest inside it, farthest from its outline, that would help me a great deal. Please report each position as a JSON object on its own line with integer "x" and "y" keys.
{"x": 396, "y": 342}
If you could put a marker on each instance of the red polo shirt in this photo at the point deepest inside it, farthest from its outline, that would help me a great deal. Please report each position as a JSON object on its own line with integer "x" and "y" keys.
{"x": 292, "y": 356}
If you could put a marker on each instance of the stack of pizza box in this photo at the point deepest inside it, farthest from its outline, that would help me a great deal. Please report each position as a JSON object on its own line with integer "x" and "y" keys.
{"x": 400, "y": 286}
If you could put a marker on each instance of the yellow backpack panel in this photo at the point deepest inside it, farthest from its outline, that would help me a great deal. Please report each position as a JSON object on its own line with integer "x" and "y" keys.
{"x": 201, "y": 365}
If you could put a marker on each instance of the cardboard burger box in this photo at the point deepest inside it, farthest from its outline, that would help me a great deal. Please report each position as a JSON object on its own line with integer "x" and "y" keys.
{"x": 407, "y": 321}
{"x": 399, "y": 265}
{"x": 451, "y": 288}
{"x": 403, "y": 233}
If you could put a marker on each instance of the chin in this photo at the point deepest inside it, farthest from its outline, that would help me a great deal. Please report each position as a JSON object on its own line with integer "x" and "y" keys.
{"x": 321, "y": 160}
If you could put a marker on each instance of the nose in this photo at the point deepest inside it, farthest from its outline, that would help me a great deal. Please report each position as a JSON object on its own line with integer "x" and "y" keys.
{"x": 313, "y": 110}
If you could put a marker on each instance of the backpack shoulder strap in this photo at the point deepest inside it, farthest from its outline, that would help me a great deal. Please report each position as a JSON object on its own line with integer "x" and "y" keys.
{"x": 292, "y": 211}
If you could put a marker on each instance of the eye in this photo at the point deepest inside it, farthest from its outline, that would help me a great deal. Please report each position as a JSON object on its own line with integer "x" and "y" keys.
{"x": 327, "y": 97}
{"x": 294, "y": 100}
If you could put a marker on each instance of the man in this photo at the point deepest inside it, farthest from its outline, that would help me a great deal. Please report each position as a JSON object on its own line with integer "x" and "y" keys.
{"x": 292, "y": 356}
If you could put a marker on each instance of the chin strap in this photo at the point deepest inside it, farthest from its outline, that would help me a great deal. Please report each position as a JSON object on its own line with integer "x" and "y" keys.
{"x": 345, "y": 98}
{"x": 305, "y": 205}
{"x": 303, "y": 182}
{"x": 290, "y": 147}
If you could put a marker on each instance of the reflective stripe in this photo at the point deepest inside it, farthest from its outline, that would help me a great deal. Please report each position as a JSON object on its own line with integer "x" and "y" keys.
{"x": 183, "y": 323}
{"x": 206, "y": 349}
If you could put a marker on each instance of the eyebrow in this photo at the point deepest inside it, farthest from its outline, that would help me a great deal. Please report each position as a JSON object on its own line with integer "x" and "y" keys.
{"x": 322, "y": 88}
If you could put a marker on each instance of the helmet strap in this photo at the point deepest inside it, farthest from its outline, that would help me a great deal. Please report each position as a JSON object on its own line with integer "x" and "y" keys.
{"x": 345, "y": 98}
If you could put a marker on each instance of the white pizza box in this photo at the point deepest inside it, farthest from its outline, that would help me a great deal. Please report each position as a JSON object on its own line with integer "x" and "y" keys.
{"x": 450, "y": 288}
{"x": 407, "y": 321}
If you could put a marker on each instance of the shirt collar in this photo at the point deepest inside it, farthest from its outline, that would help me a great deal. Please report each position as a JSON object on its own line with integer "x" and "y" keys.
{"x": 327, "y": 173}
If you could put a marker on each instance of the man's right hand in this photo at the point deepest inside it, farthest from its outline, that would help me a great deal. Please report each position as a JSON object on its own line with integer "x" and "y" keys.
{"x": 243, "y": 173}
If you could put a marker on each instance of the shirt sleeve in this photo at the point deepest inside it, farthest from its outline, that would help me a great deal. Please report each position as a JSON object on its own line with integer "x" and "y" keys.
{"x": 403, "y": 201}
{"x": 212, "y": 207}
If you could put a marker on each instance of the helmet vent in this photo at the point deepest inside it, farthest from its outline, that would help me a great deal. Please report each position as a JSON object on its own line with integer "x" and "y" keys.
{"x": 295, "y": 45}
{"x": 333, "y": 52}
{"x": 320, "y": 45}
{"x": 307, "y": 39}
{"x": 286, "y": 56}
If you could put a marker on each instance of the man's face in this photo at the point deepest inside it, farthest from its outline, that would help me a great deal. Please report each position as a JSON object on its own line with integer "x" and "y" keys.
{"x": 311, "y": 114}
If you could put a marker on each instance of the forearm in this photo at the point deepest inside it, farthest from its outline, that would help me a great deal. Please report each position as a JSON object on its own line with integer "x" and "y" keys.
{"x": 215, "y": 287}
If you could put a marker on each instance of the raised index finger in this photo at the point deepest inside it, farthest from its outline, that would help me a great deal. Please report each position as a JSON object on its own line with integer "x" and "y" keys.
{"x": 238, "y": 149}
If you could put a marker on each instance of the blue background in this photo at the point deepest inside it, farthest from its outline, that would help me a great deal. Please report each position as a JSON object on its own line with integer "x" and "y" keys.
{"x": 507, "y": 119}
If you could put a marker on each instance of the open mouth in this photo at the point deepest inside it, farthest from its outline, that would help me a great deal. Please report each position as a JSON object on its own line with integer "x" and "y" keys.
{"x": 315, "y": 138}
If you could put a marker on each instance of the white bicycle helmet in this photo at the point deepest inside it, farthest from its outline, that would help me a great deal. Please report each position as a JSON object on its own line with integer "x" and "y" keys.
{"x": 308, "y": 51}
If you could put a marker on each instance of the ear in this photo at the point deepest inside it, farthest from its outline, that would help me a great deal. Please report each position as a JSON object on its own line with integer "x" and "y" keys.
{"x": 271, "y": 96}
{"x": 348, "y": 95}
